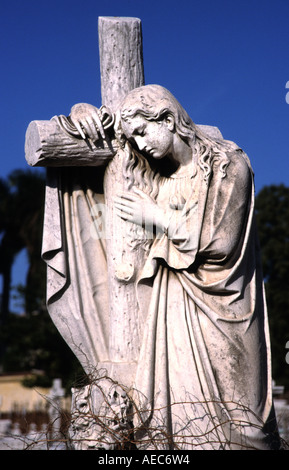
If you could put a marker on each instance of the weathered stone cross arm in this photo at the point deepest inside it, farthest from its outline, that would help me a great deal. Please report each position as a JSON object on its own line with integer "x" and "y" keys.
{"x": 55, "y": 142}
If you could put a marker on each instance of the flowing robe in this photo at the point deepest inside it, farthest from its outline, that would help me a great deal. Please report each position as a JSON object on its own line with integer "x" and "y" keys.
{"x": 204, "y": 366}
{"x": 203, "y": 377}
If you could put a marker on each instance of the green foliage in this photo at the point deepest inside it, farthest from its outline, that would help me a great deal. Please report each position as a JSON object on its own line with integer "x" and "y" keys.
{"x": 30, "y": 341}
{"x": 21, "y": 220}
{"x": 34, "y": 344}
{"x": 272, "y": 209}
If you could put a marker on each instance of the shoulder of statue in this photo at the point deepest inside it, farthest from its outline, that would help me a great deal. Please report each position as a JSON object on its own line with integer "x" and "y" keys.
{"x": 240, "y": 161}
{"x": 233, "y": 166}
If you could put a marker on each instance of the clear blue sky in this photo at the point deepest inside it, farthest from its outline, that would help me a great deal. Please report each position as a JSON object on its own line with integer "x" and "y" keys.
{"x": 226, "y": 61}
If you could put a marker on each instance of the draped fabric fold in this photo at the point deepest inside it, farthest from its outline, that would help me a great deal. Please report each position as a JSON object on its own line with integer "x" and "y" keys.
{"x": 203, "y": 377}
{"x": 204, "y": 370}
{"x": 76, "y": 258}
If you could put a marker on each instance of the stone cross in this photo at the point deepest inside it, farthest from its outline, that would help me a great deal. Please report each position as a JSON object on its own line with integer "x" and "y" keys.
{"x": 48, "y": 144}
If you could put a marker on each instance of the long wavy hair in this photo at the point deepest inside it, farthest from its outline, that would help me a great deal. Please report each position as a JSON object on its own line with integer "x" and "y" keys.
{"x": 155, "y": 102}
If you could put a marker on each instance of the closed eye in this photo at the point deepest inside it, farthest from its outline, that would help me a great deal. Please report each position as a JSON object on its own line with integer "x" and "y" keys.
{"x": 139, "y": 131}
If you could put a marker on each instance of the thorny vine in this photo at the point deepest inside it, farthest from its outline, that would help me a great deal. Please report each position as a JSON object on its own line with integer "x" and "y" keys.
{"x": 108, "y": 416}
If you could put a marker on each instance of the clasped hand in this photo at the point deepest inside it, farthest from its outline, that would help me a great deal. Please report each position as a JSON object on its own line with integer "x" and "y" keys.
{"x": 90, "y": 121}
{"x": 141, "y": 209}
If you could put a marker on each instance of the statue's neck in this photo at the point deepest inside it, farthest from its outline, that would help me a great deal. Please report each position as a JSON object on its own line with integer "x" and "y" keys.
{"x": 181, "y": 155}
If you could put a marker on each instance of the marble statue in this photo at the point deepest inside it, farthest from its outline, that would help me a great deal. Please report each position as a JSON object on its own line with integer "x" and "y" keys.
{"x": 154, "y": 272}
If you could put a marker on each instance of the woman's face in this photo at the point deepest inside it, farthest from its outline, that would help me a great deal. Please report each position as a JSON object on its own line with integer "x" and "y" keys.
{"x": 152, "y": 137}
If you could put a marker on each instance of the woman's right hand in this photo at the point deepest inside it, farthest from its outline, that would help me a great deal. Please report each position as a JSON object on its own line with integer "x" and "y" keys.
{"x": 91, "y": 121}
